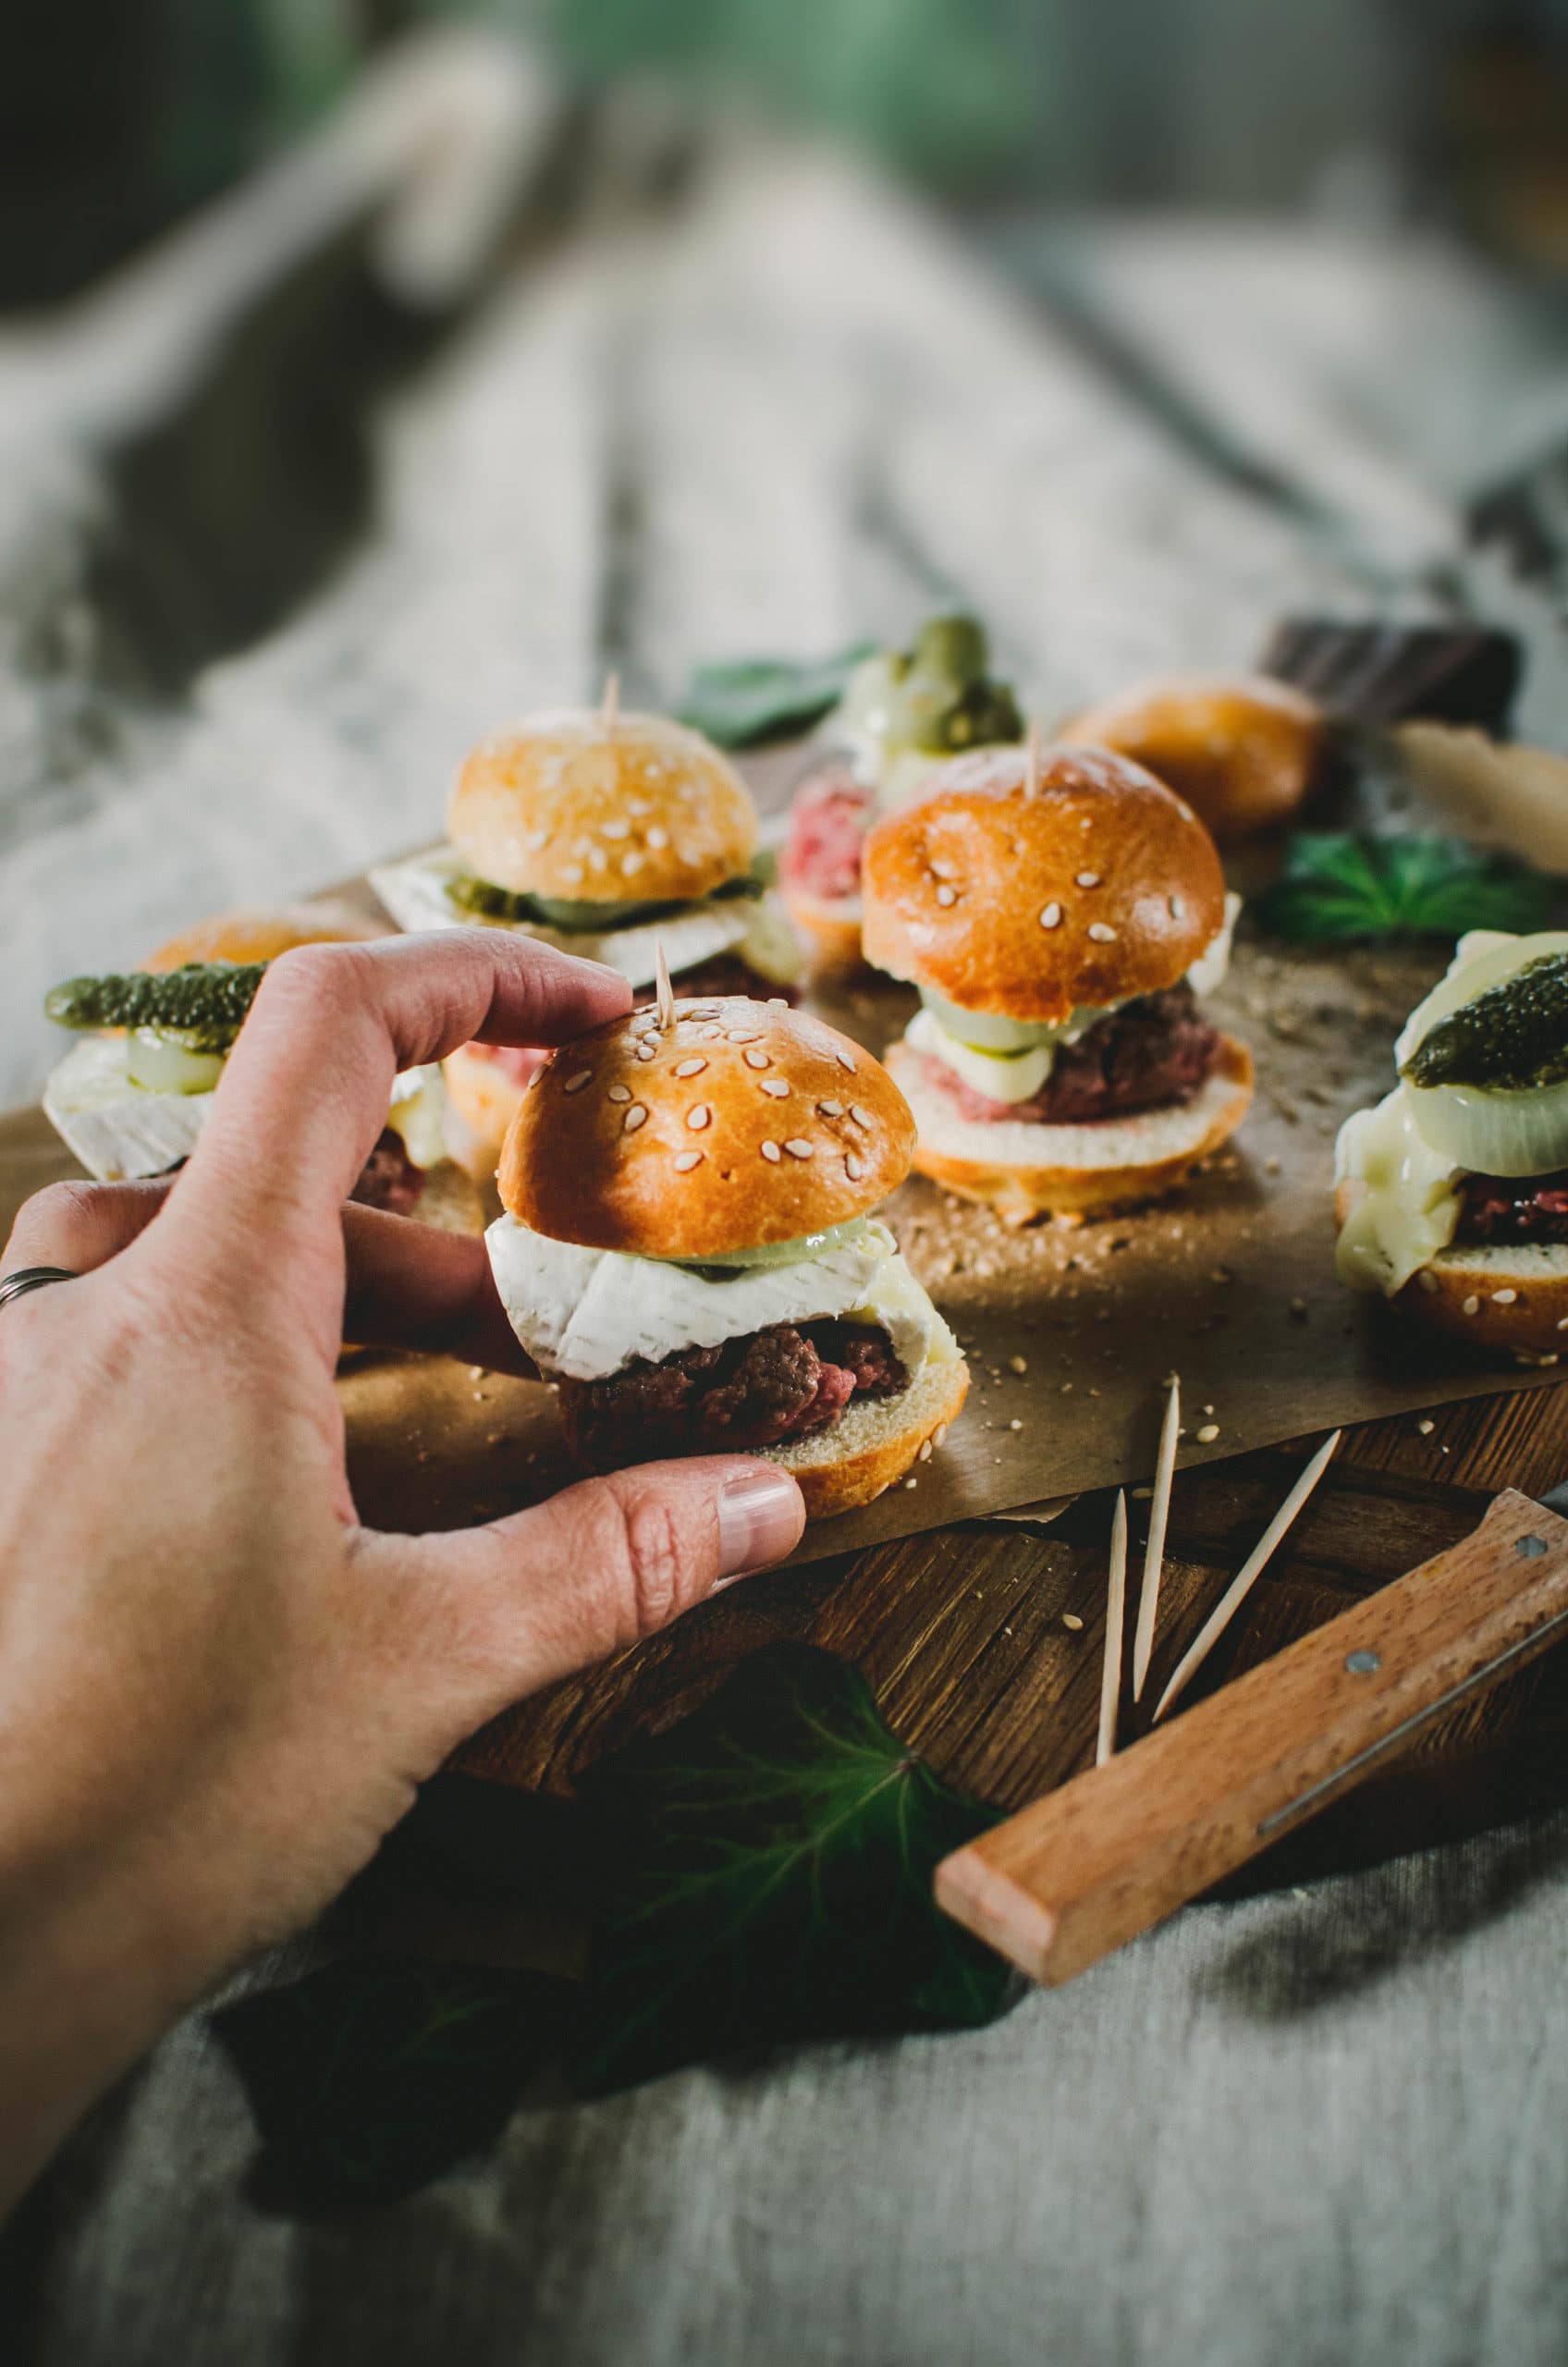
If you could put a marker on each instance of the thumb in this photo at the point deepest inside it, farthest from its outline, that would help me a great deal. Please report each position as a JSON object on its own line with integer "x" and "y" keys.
{"x": 490, "y": 1614}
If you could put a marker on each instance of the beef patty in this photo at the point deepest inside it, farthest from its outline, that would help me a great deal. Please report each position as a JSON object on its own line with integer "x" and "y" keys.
{"x": 779, "y": 1384}
{"x": 829, "y": 821}
{"x": 1513, "y": 1207}
{"x": 389, "y": 1179}
{"x": 1152, "y": 1054}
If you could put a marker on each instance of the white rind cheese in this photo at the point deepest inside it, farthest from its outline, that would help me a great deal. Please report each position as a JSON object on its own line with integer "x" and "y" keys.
{"x": 120, "y": 1131}
{"x": 1407, "y": 1208}
{"x": 585, "y": 1313}
{"x": 756, "y": 927}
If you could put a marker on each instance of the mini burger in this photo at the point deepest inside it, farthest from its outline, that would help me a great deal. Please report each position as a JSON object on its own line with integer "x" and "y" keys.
{"x": 606, "y": 834}
{"x": 903, "y": 713}
{"x": 691, "y": 1250}
{"x": 1453, "y": 1194}
{"x": 1063, "y": 914}
{"x": 1245, "y": 752}
{"x": 131, "y": 1097}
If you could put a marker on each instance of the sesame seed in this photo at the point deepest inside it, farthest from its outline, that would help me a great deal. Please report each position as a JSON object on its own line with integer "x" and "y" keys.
{"x": 945, "y": 895}
{"x": 620, "y": 1093}
{"x": 1178, "y": 909}
{"x": 1562, "y": 1322}
{"x": 1208, "y": 1433}
{"x": 692, "y": 1067}
{"x": 797, "y": 1149}
{"x": 756, "y": 1060}
{"x": 699, "y": 1117}
{"x": 1427, "y": 1279}
{"x": 1018, "y": 1364}
{"x": 830, "y": 1109}
{"x": 924, "y": 1456}
{"x": 1100, "y": 933}
{"x": 616, "y": 829}
{"x": 647, "y": 1051}
{"x": 575, "y": 1084}
{"x": 940, "y": 869}
{"x": 1505, "y": 1298}
{"x": 1015, "y": 1423}
{"x": 571, "y": 873}
{"x": 582, "y": 846}
{"x": 860, "y": 1115}
{"x": 686, "y": 1160}
{"x": 743, "y": 1035}
{"x": 1070, "y": 1621}
{"x": 535, "y": 839}
{"x": 938, "y": 1434}
{"x": 658, "y": 836}
{"x": 1051, "y": 916}
{"x": 597, "y": 859}
{"x": 845, "y": 1059}
{"x": 853, "y": 1168}
{"x": 632, "y": 863}
{"x": 636, "y": 1116}
{"x": 1427, "y": 1428}
{"x": 771, "y": 1152}
{"x": 639, "y": 805}
{"x": 1472, "y": 1306}
{"x": 776, "y": 1086}
{"x": 1088, "y": 879}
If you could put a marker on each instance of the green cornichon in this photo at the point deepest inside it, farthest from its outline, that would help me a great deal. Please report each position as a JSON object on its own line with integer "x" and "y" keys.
{"x": 1511, "y": 1039}
{"x": 203, "y": 1004}
{"x": 472, "y": 895}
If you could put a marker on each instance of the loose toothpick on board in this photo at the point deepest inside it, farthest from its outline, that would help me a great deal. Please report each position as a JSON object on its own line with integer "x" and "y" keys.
{"x": 664, "y": 993}
{"x": 609, "y": 705}
{"x": 1114, "y": 1619}
{"x": 1032, "y": 763}
{"x": 1154, "y": 1552}
{"x": 1230, "y": 1603}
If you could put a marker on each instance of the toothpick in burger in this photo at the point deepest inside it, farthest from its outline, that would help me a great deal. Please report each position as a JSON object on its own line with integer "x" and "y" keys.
{"x": 1452, "y": 1194}
{"x": 691, "y": 1249}
{"x": 1063, "y": 914}
{"x": 607, "y": 834}
{"x": 130, "y": 1099}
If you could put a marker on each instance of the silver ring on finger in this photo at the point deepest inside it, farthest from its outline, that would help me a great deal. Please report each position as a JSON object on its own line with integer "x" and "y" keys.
{"x": 32, "y": 1278}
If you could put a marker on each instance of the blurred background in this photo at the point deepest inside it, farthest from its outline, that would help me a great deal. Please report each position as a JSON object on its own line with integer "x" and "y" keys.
{"x": 370, "y": 370}
{"x": 115, "y": 115}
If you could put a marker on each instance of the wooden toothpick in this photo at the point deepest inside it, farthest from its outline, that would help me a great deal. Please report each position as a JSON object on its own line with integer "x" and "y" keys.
{"x": 1230, "y": 1601}
{"x": 1115, "y": 1620}
{"x": 1154, "y": 1552}
{"x": 664, "y": 992}
{"x": 1032, "y": 763}
{"x": 609, "y": 705}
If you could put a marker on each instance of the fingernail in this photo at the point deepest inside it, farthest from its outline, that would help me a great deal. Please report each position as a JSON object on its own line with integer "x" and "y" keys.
{"x": 759, "y": 1519}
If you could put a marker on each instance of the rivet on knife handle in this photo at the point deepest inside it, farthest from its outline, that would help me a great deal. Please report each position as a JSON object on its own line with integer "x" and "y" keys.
{"x": 1092, "y": 1865}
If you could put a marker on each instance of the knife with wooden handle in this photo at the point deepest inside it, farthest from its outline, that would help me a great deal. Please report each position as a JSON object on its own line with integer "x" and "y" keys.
{"x": 1115, "y": 1850}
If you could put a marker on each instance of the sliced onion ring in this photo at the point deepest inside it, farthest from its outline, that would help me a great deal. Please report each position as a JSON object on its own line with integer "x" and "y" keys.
{"x": 1493, "y": 1132}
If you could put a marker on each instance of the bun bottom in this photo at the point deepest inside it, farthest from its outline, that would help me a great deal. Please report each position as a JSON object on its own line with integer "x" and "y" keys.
{"x": 830, "y": 926}
{"x": 1025, "y": 1170}
{"x": 1505, "y": 1298}
{"x": 872, "y": 1444}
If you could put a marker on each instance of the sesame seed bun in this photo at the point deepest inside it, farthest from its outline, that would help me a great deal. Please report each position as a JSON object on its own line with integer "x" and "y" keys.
{"x": 570, "y": 805}
{"x": 1242, "y": 751}
{"x": 1094, "y": 885}
{"x": 261, "y": 936}
{"x": 746, "y": 1122}
{"x": 1025, "y": 1170}
{"x": 1506, "y": 1298}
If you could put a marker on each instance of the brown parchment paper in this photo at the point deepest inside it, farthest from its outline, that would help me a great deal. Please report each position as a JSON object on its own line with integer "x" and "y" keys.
{"x": 1069, "y": 1329}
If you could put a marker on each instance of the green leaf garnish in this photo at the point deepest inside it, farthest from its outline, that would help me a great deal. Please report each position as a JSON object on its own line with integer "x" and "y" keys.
{"x": 373, "y": 2076}
{"x": 741, "y": 701}
{"x": 1337, "y": 887}
{"x": 770, "y": 1880}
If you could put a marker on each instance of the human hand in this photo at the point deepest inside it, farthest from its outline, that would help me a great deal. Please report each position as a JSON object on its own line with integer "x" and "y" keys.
{"x": 217, "y": 1689}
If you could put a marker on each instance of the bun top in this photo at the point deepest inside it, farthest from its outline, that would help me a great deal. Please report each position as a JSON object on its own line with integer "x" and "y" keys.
{"x": 1095, "y": 884}
{"x": 744, "y": 1123}
{"x": 261, "y": 935}
{"x": 593, "y": 809}
{"x": 1242, "y": 750}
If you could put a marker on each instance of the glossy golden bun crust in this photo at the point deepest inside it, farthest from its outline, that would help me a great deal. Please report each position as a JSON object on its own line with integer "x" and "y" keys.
{"x": 592, "y": 1154}
{"x": 261, "y": 935}
{"x": 1456, "y": 1292}
{"x": 1243, "y": 750}
{"x": 830, "y": 925}
{"x": 568, "y": 805}
{"x": 994, "y": 896}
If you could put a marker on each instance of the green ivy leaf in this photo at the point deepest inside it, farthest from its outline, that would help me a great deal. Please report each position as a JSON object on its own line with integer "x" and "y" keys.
{"x": 745, "y": 700}
{"x": 373, "y": 2076}
{"x": 769, "y": 1879}
{"x": 1336, "y": 888}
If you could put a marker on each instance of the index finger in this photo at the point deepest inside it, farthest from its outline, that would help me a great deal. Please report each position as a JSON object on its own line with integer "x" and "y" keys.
{"x": 304, "y": 1093}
